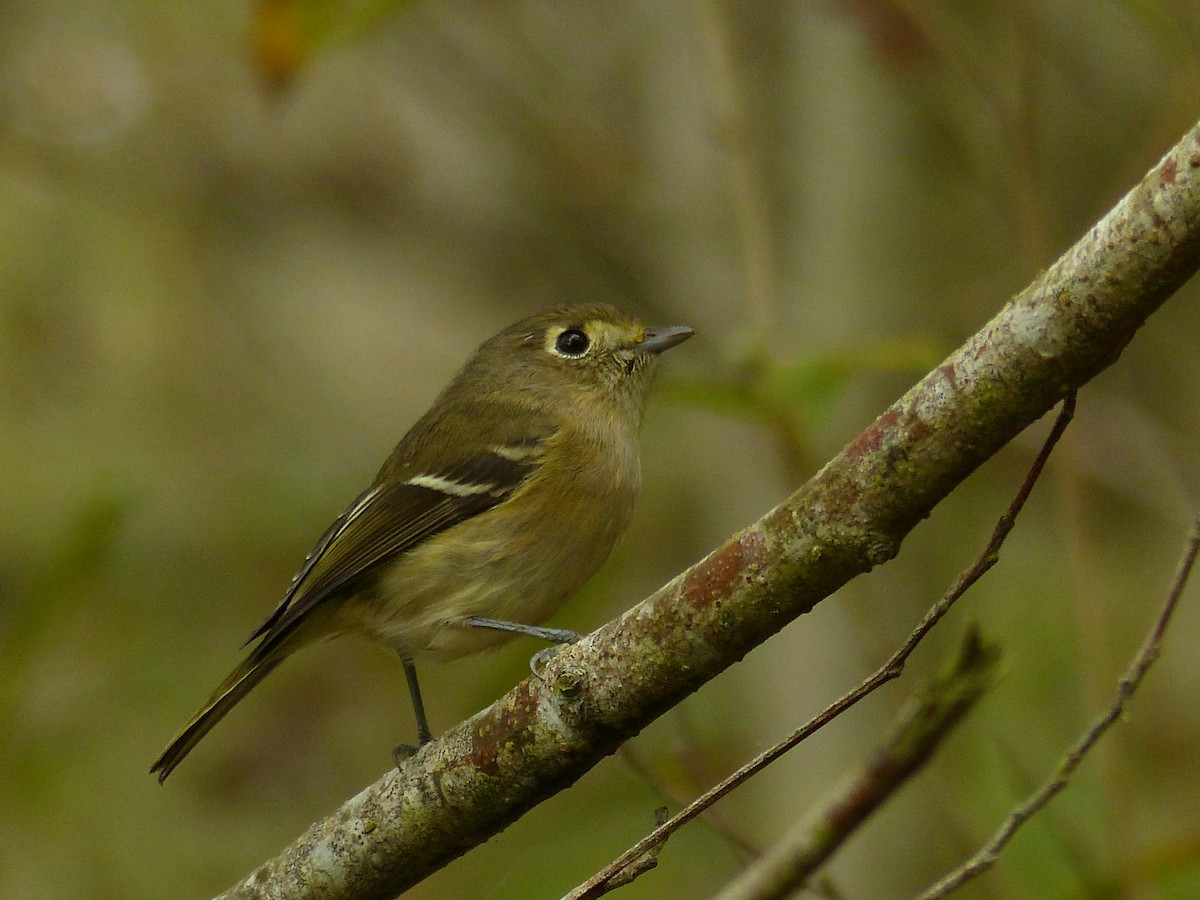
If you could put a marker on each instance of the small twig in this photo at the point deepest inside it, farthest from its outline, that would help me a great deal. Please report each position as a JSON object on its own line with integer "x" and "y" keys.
{"x": 643, "y": 863}
{"x": 596, "y": 886}
{"x": 1129, "y": 683}
{"x": 920, "y": 728}
{"x": 723, "y": 828}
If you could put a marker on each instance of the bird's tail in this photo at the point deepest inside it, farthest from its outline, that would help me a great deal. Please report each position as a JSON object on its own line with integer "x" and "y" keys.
{"x": 223, "y": 699}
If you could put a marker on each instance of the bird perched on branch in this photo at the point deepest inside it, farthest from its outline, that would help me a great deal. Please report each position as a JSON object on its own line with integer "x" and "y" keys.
{"x": 494, "y": 509}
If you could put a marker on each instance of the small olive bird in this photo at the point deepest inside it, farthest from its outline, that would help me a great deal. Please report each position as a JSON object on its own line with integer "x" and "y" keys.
{"x": 494, "y": 509}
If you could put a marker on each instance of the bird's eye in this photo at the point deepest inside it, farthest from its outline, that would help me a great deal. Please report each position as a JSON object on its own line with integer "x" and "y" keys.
{"x": 572, "y": 343}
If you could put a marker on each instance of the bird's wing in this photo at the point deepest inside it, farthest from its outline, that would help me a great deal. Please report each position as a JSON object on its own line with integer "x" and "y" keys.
{"x": 395, "y": 515}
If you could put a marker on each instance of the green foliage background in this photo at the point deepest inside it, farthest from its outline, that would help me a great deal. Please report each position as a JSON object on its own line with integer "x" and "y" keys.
{"x": 224, "y": 294}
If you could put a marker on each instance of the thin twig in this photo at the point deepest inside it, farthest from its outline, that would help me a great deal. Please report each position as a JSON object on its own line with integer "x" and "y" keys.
{"x": 677, "y": 798}
{"x": 597, "y": 885}
{"x": 1129, "y": 683}
{"x": 922, "y": 725}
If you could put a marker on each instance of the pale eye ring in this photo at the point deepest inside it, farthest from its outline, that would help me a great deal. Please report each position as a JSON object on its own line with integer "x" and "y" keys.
{"x": 572, "y": 343}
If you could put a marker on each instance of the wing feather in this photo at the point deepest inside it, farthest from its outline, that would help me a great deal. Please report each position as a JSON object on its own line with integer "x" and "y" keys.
{"x": 391, "y": 518}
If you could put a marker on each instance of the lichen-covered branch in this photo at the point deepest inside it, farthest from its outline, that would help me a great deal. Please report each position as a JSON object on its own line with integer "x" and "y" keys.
{"x": 1056, "y": 335}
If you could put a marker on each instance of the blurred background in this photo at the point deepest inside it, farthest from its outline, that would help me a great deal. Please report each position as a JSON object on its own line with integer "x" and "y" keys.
{"x": 244, "y": 245}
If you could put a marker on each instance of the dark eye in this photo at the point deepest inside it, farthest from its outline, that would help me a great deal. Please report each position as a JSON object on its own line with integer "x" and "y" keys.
{"x": 572, "y": 342}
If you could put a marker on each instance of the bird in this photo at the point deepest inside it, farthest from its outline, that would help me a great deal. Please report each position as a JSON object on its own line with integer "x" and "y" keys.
{"x": 492, "y": 511}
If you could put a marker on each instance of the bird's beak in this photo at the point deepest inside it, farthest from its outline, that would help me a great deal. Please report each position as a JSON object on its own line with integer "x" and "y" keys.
{"x": 656, "y": 340}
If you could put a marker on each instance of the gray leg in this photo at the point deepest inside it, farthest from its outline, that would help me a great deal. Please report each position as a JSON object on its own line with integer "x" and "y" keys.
{"x": 553, "y": 635}
{"x": 556, "y": 636}
{"x": 424, "y": 735}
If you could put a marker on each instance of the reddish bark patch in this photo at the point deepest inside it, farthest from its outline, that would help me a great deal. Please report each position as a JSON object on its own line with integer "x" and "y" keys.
{"x": 724, "y": 570}
{"x": 507, "y": 727}
{"x": 873, "y": 438}
{"x": 1166, "y": 175}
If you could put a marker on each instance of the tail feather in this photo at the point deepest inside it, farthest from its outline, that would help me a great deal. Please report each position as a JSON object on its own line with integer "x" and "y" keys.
{"x": 223, "y": 699}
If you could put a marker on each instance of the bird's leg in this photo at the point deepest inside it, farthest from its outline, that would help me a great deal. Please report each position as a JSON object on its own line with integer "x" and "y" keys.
{"x": 424, "y": 735}
{"x": 556, "y": 636}
{"x": 553, "y": 635}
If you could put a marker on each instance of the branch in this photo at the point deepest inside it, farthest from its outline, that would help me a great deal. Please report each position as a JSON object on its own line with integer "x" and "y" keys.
{"x": 1062, "y": 330}
{"x": 917, "y": 733}
{"x": 1130, "y": 681}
